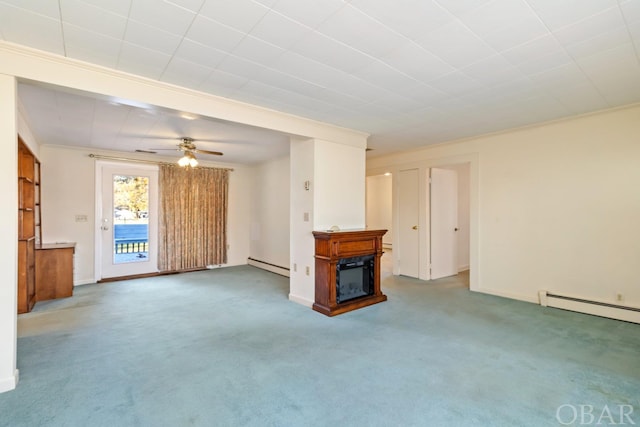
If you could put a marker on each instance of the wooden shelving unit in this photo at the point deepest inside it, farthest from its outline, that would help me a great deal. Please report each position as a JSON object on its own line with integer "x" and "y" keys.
{"x": 28, "y": 217}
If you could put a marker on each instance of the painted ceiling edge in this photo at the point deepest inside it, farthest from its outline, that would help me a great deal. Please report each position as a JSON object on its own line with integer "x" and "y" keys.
{"x": 39, "y": 66}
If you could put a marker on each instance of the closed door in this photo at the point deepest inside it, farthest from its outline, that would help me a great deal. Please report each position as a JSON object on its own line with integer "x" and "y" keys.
{"x": 443, "y": 222}
{"x": 128, "y": 221}
{"x": 409, "y": 217}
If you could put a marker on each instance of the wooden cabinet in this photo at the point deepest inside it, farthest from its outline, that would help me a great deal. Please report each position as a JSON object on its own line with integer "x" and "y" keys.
{"x": 27, "y": 221}
{"x": 54, "y": 271}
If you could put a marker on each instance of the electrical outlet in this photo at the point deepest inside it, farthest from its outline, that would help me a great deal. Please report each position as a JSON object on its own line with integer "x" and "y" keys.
{"x": 295, "y": 267}
{"x": 619, "y": 297}
{"x": 307, "y": 270}
{"x": 306, "y": 217}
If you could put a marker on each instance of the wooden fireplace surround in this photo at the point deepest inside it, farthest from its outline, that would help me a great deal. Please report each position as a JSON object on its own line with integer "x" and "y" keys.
{"x": 331, "y": 247}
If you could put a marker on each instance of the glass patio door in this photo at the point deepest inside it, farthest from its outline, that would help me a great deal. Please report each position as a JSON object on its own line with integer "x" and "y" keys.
{"x": 128, "y": 220}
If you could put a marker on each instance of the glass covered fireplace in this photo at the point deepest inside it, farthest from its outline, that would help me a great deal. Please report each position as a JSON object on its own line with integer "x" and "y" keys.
{"x": 354, "y": 278}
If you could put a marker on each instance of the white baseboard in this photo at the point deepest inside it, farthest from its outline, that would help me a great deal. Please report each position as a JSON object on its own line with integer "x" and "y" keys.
{"x": 268, "y": 267}
{"x": 300, "y": 300}
{"x": 593, "y": 307}
{"x": 506, "y": 295}
{"x": 10, "y": 383}
{"x": 463, "y": 268}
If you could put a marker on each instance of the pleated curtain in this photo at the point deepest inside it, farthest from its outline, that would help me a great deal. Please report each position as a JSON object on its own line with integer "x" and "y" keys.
{"x": 193, "y": 217}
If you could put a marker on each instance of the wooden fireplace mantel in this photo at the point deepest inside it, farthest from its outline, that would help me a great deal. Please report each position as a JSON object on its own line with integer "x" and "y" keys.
{"x": 330, "y": 248}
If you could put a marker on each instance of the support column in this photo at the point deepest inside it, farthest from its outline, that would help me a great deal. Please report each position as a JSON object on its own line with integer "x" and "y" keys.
{"x": 327, "y": 189}
{"x": 9, "y": 231}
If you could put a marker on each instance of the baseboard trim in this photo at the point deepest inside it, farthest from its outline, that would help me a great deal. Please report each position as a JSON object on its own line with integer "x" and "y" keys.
{"x": 283, "y": 271}
{"x": 626, "y": 313}
{"x": 508, "y": 295}
{"x": 463, "y": 268}
{"x": 300, "y": 300}
{"x": 10, "y": 383}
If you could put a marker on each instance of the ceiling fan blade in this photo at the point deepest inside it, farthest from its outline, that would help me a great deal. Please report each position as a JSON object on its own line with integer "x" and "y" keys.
{"x": 215, "y": 153}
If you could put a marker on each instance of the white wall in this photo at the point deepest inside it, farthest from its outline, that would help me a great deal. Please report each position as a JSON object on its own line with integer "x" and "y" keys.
{"x": 270, "y": 212}
{"x": 380, "y": 205}
{"x": 556, "y": 206}
{"x": 9, "y": 232}
{"x": 339, "y": 180}
{"x": 68, "y": 189}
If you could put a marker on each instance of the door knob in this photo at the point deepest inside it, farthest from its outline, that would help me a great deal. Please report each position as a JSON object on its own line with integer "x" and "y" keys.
{"x": 455, "y": 229}
{"x": 415, "y": 227}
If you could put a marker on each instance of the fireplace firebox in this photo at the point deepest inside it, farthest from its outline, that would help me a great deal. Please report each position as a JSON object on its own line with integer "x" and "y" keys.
{"x": 347, "y": 270}
{"x": 354, "y": 278}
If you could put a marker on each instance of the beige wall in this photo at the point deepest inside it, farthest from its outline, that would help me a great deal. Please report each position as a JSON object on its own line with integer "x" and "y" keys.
{"x": 68, "y": 189}
{"x": 555, "y": 206}
{"x": 270, "y": 212}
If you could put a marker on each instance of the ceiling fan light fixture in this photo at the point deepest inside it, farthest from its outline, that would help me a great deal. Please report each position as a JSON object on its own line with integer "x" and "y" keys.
{"x": 188, "y": 160}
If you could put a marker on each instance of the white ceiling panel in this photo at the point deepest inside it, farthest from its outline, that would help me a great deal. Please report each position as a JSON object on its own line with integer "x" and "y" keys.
{"x": 456, "y": 44}
{"x": 144, "y": 62}
{"x": 17, "y": 24}
{"x": 241, "y": 15}
{"x": 354, "y": 28}
{"x": 162, "y": 14}
{"x": 411, "y": 18}
{"x": 213, "y": 34}
{"x": 91, "y": 47}
{"x": 279, "y": 30}
{"x": 310, "y": 12}
{"x": 92, "y": 18}
{"x": 409, "y": 71}
{"x": 151, "y": 38}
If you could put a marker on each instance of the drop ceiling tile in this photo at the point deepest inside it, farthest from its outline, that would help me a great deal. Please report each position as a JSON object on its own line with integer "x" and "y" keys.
{"x": 160, "y": 14}
{"x": 455, "y": 44}
{"x": 355, "y": 29}
{"x": 579, "y": 99}
{"x": 611, "y": 64}
{"x": 382, "y": 75}
{"x": 492, "y": 71}
{"x": 16, "y": 25}
{"x": 192, "y": 5}
{"x": 456, "y": 83}
{"x": 185, "y": 73}
{"x": 412, "y": 18}
{"x": 240, "y": 67}
{"x": 311, "y": 12}
{"x": 46, "y": 8}
{"x": 331, "y": 52}
{"x": 151, "y": 38}
{"x": 258, "y": 51}
{"x": 600, "y": 43}
{"x": 544, "y": 63}
{"x": 279, "y": 30}
{"x": 119, "y": 7}
{"x": 497, "y": 15}
{"x": 256, "y": 89}
{"x": 213, "y": 34}
{"x": 145, "y": 62}
{"x": 241, "y": 15}
{"x": 91, "y": 18}
{"x": 415, "y": 61}
{"x": 462, "y": 7}
{"x": 222, "y": 83}
{"x": 530, "y": 51}
{"x": 564, "y": 76}
{"x": 91, "y": 47}
{"x": 591, "y": 27}
{"x": 630, "y": 10}
{"x": 288, "y": 82}
{"x": 557, "y": 15}
{"x": 199, "y": 54}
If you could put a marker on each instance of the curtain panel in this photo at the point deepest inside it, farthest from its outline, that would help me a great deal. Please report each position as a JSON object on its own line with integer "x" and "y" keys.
{"x": 192, "y": 231}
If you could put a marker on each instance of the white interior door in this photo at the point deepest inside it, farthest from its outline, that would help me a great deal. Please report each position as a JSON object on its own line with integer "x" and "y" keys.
{"x": 444, "y": 222}
{"x": 127, "y": 215}
{"x": 408, "y": 255}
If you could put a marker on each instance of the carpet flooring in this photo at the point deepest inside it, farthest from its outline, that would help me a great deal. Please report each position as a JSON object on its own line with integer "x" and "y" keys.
{"x": 226, "y": 347}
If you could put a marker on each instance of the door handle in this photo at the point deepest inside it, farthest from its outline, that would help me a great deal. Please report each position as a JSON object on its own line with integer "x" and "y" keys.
{"x": 415, "y": 227}
{"x": 104, "y": 228}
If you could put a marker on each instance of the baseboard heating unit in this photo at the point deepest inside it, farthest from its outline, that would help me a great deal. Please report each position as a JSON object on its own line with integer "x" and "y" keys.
{"x": 597, "y": 308}
{"x": 283, "y": 271}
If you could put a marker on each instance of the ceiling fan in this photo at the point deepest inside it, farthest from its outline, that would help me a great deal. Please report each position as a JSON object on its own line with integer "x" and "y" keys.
{"x": 188, "y": 147}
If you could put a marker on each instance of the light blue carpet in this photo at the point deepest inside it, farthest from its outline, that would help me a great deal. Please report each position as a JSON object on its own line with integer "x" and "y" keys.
{"x": 226, "y": 348}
